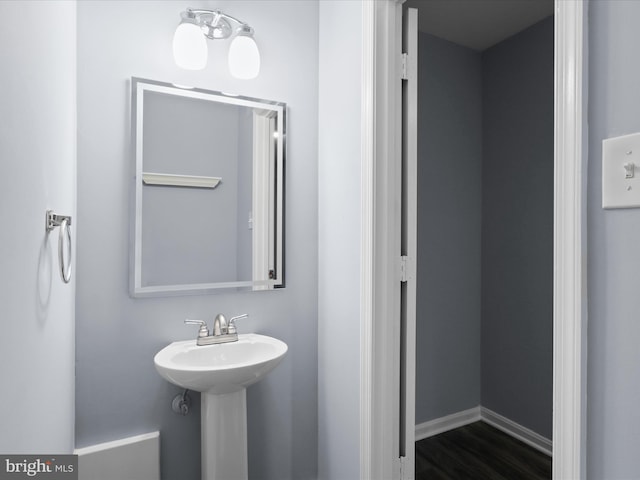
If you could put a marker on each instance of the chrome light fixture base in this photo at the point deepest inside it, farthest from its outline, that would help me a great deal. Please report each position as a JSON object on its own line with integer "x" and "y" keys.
{"x": 215, "y": 25}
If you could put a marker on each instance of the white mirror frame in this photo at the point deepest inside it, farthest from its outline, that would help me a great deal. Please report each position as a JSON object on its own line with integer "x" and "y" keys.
{"x": 381, "y": 29}
{"x": 274, "y": 224}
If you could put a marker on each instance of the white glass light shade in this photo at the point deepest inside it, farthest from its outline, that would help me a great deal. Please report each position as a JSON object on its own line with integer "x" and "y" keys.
{"x": 244, "y": 57}
{"x": 190, "y": 47}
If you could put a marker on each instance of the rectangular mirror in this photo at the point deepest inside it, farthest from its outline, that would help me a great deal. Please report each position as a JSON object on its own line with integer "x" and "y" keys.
{"x": 209, "y": 191}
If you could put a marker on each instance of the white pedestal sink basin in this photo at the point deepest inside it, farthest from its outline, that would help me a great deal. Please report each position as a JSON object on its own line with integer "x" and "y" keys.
{"x": 221, "y": 372}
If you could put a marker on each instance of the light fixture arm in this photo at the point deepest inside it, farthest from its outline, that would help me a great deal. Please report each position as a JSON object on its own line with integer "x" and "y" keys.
{"x": 215, "y": 24}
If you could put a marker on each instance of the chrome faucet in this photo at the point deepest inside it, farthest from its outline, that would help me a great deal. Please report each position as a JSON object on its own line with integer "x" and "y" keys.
{"x": 223, "y": 331}
{"x": 220, "y": 325}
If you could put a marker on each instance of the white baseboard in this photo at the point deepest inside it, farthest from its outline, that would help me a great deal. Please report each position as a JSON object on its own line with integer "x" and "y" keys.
{"x": 465, "y": 417}
{"x": 449, "y": 422}
{"x": 517, "y": 431}
{"x": 131, "y": 458}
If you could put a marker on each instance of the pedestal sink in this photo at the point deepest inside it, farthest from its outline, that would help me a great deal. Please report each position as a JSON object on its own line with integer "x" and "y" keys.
{"x": 221, "y": 372}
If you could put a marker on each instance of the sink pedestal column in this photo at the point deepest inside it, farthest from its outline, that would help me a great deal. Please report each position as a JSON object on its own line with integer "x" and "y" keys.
{"x": 224, "y": 436}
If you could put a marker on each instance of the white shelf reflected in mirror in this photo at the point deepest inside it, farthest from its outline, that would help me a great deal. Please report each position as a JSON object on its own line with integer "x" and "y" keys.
{"x": 173, "y": 180}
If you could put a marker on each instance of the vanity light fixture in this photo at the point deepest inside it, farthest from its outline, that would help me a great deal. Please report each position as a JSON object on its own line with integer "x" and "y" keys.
{"x": 190, "y": 42}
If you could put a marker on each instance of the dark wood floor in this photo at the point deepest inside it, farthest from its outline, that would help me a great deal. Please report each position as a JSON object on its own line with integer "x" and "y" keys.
{"x": 476, "y": 452}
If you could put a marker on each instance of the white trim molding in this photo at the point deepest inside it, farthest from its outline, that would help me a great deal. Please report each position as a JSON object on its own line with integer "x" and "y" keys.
{"x": 480, "y": 413}
{"x": 133, "y": 457}
{"x": 380, "y": 239}
{"x": 446, "y": 423}
{"x": 570, "y": 289}
{"x": 524, "y": 434}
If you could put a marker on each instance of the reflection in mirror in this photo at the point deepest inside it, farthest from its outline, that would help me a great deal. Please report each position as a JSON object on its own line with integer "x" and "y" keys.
{"x": 209, "y": 181}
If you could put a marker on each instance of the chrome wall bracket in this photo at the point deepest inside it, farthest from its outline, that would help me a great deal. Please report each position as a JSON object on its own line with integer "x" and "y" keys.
{"x": 54, "y": 220}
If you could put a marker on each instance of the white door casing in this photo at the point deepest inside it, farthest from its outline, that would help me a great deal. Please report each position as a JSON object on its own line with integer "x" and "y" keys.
{"x": 570, "y": 272}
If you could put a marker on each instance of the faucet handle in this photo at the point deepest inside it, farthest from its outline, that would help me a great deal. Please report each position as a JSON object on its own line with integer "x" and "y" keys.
{"x": 232, "y": 322}
{"x": 204, "y": 331}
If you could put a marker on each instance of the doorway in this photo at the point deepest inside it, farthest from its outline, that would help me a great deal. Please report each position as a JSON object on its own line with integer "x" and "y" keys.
{"x": 485, "y": 221}
{"x": 381, "y": 346}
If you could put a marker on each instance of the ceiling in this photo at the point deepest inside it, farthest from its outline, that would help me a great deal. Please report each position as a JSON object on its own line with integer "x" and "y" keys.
{"x": 478, "y": 24}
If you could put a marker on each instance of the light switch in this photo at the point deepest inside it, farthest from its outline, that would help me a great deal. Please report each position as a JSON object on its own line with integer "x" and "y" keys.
{"x": 620, "y": 184}
{"x": 629, "y": 168}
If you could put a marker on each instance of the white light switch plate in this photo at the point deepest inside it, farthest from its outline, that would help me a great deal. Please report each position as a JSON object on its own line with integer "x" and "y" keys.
{"x": 621, "y": 158}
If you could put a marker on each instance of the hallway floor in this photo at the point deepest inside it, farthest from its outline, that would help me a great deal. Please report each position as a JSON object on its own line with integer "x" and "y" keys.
{"x": 479, "y": 452}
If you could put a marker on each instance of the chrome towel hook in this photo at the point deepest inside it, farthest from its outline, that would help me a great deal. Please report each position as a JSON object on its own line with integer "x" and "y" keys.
{"x": 64, "y": 222}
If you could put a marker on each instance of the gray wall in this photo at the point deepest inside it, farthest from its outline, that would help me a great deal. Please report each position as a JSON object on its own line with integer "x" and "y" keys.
{"x": 449, "y": 216}
{"x": 485, "y": 228}
{"x": 339, "y": 161}
{"x": 38, "y": 158}
{"x": 119, "y": 392}
{"x": 517, "y": 228}
{"x": 190, "y": 136}
{"x": 613, "y": 383}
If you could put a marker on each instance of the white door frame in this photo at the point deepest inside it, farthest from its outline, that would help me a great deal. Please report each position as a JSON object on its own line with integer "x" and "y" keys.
{"x": 380, "y": 244}
{"x": 570, "y": 242}
{"x": 381, "y": 143}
